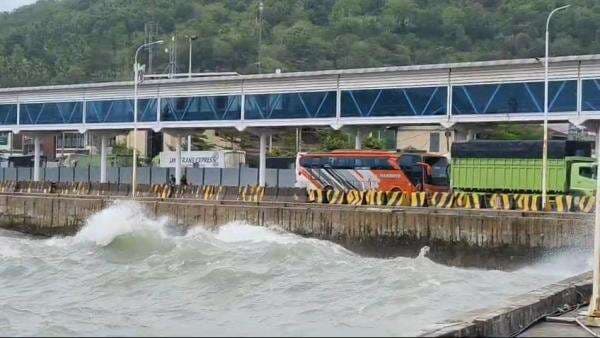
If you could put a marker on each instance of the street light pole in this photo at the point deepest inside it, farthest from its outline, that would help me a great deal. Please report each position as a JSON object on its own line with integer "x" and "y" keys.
{"x": 190, "y": 39}
{"x": 594, "y": 309}
{"x": 136, "y": 71}
{"x": 545, "y": 146}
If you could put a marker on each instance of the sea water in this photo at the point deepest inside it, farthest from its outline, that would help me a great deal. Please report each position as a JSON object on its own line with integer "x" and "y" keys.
{"x": 126, "y": 273}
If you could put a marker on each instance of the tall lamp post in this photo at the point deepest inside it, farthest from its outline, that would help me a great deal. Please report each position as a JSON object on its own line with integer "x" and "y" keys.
{"x": 190, "y": 39}
{"x": 545, "y": 146}
{"x": 136, "y": 71}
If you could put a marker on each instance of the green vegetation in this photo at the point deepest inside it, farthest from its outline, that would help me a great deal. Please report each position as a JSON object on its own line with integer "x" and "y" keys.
{"x": 71, "y": 41}
{"x": 122, "y": 156}
{"x": 199, "y": 142}
{"x": 505, "y": 131}
{"x": 374, "y": 143}
{"x": 334, "y": 139}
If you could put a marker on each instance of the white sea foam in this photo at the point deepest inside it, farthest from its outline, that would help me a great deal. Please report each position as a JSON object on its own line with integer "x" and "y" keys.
{"x": 123, "y": 217}
{"x": 241, "y": 232}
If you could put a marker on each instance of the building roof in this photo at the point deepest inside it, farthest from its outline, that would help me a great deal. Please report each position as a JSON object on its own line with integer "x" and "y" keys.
{"x": 441, "y": 66}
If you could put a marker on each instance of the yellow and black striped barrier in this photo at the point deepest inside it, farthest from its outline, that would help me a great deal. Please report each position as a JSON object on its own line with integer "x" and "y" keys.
{"x": 252, "y": 194}
{"x": 468, "y": 200}
{"x": 211, "y": 192}
{"x": 397, "y": 199}
{"x": 316, "y": 196}
{"x": 586, "y": 203}
{"x": 355, "y": 197}
{"x": 563, "y": 203}
{"x": 197, "y": 192}
{"x": 166, "y": 191}
{"x": 501, "y": 201}
{"x": 336, "y": 197}
{"x": 441, "y": 200}
{"x": 526, "y": 202}
{"x": 375, "y": 197}
{"x": 418, "y": 199}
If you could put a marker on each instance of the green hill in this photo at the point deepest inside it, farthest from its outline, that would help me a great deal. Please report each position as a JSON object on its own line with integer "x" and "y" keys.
{"x": 71, "y": 41}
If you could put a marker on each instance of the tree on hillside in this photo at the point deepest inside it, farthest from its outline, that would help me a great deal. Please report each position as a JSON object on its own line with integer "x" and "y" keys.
{"x": 68, "y": 41}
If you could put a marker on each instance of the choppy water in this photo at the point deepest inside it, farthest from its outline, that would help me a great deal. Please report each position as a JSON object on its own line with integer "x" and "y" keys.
{"x": 126, "y": 274}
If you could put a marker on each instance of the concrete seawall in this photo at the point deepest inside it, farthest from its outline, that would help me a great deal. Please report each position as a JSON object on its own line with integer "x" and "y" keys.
{"x": 494, "y": 239}
{"x": 523, "y": 311}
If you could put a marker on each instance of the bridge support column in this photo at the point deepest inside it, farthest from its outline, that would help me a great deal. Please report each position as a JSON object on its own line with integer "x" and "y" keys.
{"x": 358, "y": 139}
{"x": 178, "y": 160}
{"x": 103, "y": 161}
{"x": 262, "y": 167}
{"x": 36, "y": 158}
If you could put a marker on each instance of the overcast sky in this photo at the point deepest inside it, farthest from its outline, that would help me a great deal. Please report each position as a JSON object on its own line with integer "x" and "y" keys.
{"x": 9, "y": 5}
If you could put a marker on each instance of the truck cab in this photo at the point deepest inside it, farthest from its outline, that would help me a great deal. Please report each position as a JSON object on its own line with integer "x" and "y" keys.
{"x": 583, "y": 177}
{"x": 427, "y": 172}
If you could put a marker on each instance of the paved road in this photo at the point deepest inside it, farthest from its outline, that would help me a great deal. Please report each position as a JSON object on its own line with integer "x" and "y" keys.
{"x": 554, "y": 329}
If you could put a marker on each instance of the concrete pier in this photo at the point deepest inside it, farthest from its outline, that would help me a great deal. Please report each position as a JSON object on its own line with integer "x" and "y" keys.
{"x": 492, "y": 239}
{"x": 523, "y": 312}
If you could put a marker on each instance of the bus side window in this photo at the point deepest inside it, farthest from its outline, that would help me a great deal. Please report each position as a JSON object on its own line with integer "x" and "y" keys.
{"x": 381, "y": 164}
{"x": 361, "y": 164}
{"x": 328, "y": 162}
{"x": 344, "y": 163}
{"x": 311, "y": 162}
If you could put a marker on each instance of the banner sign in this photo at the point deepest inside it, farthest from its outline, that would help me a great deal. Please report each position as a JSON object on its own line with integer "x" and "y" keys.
{"x": 194, "y": 159}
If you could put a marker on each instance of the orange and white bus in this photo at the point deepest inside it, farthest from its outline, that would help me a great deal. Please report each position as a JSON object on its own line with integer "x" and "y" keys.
{"x": 361, "y": 170}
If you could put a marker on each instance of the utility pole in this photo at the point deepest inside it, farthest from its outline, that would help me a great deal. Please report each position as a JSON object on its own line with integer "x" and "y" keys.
{"x": 151, "y": 32}
{"x": 173, "y": 57}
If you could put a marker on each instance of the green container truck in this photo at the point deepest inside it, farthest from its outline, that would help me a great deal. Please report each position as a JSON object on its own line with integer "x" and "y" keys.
{"x": 516, "y": 167}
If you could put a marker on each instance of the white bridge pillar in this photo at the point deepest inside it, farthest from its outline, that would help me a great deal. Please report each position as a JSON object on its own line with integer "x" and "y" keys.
{"x": 36, "y": 158}
{"x": 358, "y": 140}
{"x": 103, "y": 162}
{"x": 262, "y": 167}
{"x": 178, "y": 160}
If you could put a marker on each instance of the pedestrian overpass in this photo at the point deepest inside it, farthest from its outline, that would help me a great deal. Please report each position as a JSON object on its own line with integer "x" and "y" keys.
{"x": 489, "y": 91}
{"x": 444, "y": 94}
